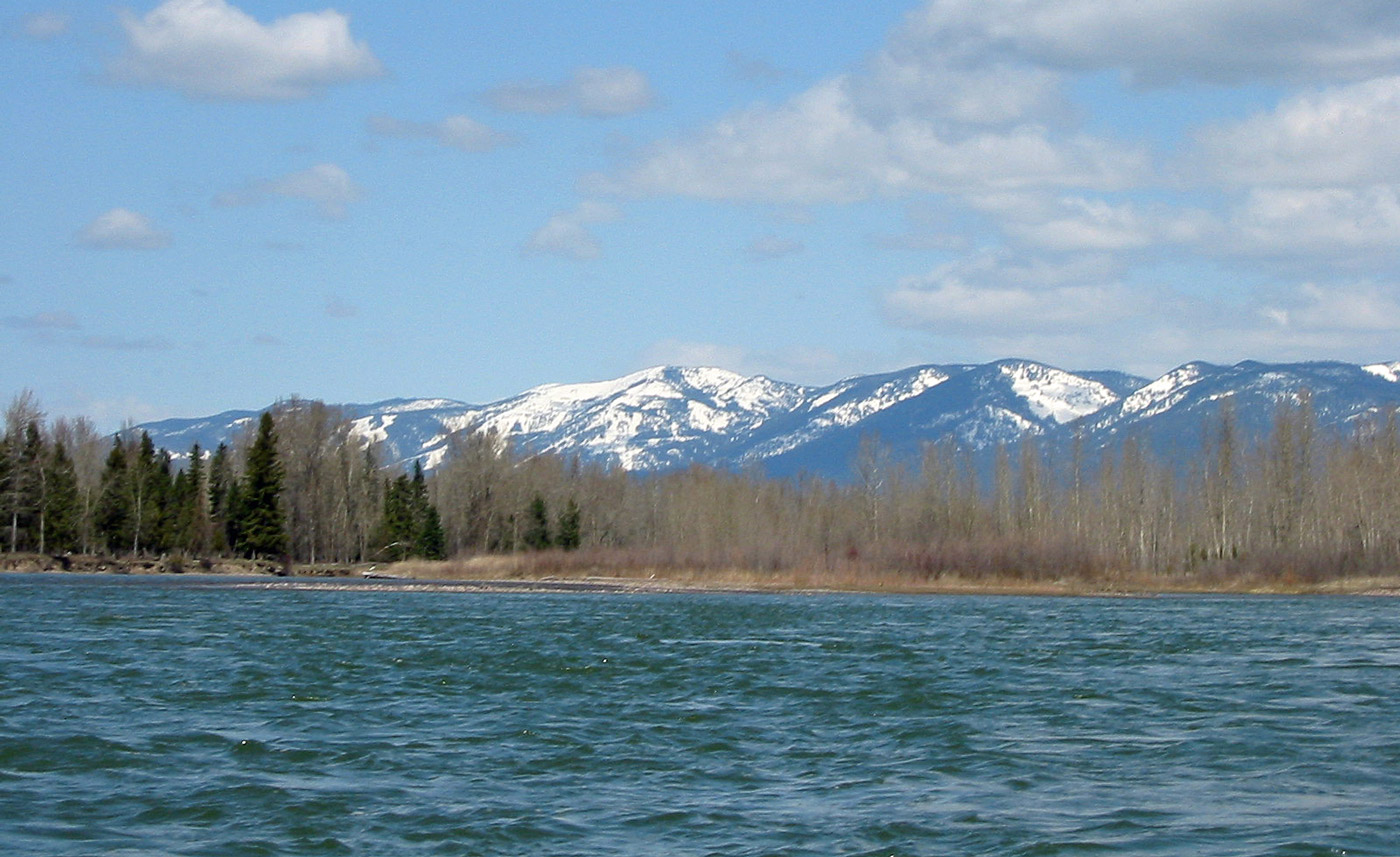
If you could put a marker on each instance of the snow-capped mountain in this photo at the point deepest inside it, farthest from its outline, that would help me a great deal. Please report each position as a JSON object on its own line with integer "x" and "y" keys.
{"x": 1171, "y": 413}
{"x": 670, "y": 417}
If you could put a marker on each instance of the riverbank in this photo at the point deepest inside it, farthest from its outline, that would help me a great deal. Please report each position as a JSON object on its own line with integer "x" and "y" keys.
{"x": 523, "y": 574}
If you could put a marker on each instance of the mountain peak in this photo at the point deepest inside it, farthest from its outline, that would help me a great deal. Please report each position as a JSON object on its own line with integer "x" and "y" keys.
{"x": 672, "y": 416}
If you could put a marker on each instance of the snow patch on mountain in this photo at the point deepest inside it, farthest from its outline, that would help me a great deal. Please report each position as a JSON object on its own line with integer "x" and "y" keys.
{"x": 1164, "y": 392}
{"x": 374, "y": 428}
{"x": 1388, "y": 371}
{"x": 823, "y": 420}
{"x": 1056, "y": 394}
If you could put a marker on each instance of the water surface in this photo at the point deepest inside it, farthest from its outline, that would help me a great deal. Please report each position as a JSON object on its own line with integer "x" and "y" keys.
{"x": 167, "y": 717}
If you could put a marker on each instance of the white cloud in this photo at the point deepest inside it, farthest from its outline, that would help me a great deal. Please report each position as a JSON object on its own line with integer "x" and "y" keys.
{"x": 454, "y": 132}
{"x": 567, "y": 233}
{"x": 122, "y": 229}
{"x": 45, "y": 25}
{"x": 1339, "y": 136}
{"x": 326, "y": 186}
{"x": 992, "y": 293}
{"x": 773, "y": 247}
{"x": 599, "y": 92}
{"x": 821, "y": 147}
{"x": 1317, "y": 222}
{"x": 211, "y": 49}
{"x": 1072, "y": 223}
{"x": 1335, "y": 309}
{"x": 971, "y": 95}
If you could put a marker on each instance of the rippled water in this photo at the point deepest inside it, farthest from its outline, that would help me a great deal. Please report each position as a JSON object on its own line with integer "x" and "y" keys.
{"x": 162, "y": 717}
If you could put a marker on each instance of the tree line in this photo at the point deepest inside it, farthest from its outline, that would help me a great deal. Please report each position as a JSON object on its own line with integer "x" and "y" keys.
{"x": 295, "y": 485}
{"x": 302, "y": 483}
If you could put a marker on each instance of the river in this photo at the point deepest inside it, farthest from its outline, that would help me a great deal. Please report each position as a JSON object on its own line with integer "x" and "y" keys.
{"x": 186, "y": 716}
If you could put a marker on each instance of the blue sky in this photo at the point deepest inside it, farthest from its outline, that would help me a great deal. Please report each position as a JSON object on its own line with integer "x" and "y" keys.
{"x": 214, "y": 204}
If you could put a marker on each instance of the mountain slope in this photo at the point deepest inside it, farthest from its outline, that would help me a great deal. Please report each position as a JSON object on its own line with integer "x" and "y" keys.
{"x": 670, "y": 417}
{"x": 1173, "y": 413}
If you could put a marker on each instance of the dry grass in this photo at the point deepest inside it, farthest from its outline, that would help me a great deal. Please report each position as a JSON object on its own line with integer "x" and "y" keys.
{"x": 855, "y": 576}
{"x": 643, "y": 572}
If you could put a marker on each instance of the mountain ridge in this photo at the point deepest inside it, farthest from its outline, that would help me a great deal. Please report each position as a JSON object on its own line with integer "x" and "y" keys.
{"x": 667, "y": 417}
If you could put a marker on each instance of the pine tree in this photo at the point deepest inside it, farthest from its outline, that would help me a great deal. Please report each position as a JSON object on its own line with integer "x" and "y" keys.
{"x": 113, "y": 517}
{"x": 396, "y": 530}
{"x": 410, "y": 525}
{"x": 263, "y": 528}
{"x": 569, "y": 537}
{"x": 432, "y": 541}
{"x": 141, "y": 484}
{"x": 220, "y": 497}
{"x": 428, "y": 538}
{"x": 26, "y": 521}
{"x": 537, "y": 530}
{"x": 195, "y": 529}
{"x": 60, "y": 510}
{"x": 7, "y": 477}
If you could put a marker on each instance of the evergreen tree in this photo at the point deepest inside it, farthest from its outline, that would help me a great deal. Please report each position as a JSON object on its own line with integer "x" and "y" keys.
{"x": 7, "y": 477}
{"x": 410, "y": 525}
{"x": 396, "y": 530}
{"x": 221, "y": 497}
{"x": 569, "y": 537}
{"x": 61, "y": 506}
{"x": 194, "y": 525}
{"x": 432, "y": 541}
{"x": 537, "y": 528}
{"x": 263, "y": 527}
{"x": 428, "y": 537}
{"x": 160, "y": 484}
{"x": 29, "y": 490}
{"x": 113, "y": 517}
{"x": 144, "y": 494}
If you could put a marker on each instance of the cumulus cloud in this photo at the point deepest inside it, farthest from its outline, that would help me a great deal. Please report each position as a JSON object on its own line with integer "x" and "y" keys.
{"x": 906, "y": 123}
{"x": 1318, "y": 222}
{"x": 211, "y": 49}
{"x": 454, "y": 132}
{"x": 567, "y": 234}
{"x": 968, "y": 94}
{"x": 122, "y": 229}
{"x": 1336, "y": 309}
{"x": 58, "y": 320}
{"x": 773, "y": 247}
{"x": 1338, "y": 136}
{"x": 45, "y": 25}
{"x": 1074, "y": 223}
{"x": 326, "y": 186}
{"x": 599, "y": 92}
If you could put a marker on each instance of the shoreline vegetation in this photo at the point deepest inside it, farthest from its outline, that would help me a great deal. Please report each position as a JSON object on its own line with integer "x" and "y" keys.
{"x": 301, "y": 494}
{"x": 542, "y": 573}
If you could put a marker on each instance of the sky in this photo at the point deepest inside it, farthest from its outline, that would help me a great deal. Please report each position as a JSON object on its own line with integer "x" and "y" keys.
{"x": 212, "y": 205}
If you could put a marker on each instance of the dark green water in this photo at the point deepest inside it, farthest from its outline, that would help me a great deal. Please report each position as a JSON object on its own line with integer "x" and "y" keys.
{"x": 155, "y": 718}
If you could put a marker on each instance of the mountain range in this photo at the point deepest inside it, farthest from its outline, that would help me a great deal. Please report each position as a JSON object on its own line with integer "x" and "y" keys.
{"x": 670, "y": 416}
